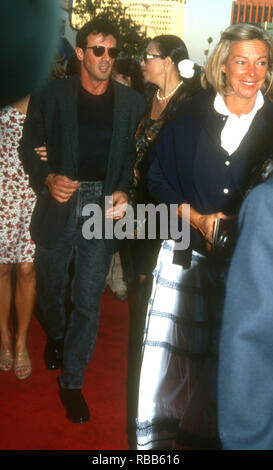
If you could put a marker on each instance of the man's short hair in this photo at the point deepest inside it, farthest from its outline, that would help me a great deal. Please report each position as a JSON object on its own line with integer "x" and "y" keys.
{"x": 96, "y": 26}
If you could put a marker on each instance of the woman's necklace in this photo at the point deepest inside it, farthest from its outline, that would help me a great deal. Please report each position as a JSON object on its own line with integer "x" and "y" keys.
{"x": 163, "y": 98}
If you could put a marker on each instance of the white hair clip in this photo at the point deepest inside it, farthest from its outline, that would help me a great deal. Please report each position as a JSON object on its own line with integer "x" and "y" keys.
{"x": 186, "y": 68}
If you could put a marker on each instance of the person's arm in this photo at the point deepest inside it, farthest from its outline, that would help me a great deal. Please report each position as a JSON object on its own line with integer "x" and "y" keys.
{"x": 117, "y": 205}
{"x": 60, "y": 187}
{"x": 162, "y": 189}
{"x": 245, "y": 387}
{"x": 33, "y": 136}
{"x": 126, "y": 179}
{"x": 42, "y": 152}
{"x": 203, "y": 223}
{"x": 39, "y": 170}
{"x": 159, "y": 187}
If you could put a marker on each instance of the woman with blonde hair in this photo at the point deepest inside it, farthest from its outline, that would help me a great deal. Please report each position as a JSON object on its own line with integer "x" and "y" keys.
{"x": 205, "y": 157}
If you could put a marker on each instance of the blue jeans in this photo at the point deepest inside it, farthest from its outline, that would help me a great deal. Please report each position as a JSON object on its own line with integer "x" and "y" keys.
{"x": 91, "y": 262}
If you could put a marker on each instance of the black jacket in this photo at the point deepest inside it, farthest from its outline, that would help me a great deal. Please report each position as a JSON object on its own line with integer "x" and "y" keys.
{"x": 52, "y": 119}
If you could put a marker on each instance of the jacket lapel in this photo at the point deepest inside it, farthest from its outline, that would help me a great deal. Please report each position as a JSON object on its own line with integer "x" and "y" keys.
{"x": 211, "y": 121}
{"x": 120, "y": 119}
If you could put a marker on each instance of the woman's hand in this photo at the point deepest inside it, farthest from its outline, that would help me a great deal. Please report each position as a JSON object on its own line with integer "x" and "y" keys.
{"x": 42, "y": 151}
{"x": 204, "y": 223}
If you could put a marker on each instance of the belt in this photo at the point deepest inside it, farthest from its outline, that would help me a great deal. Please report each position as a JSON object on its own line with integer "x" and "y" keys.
{"x": 91, "y": 187}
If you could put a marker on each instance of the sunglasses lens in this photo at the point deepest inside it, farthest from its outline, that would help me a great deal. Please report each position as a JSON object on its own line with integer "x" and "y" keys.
{"x": 113, "y": 52}
{"x": 145, "y": 56}
{"x": 98, "y": 51}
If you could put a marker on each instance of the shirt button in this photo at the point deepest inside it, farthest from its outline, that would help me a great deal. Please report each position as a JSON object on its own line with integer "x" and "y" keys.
{"x": 227, "y": 162}
{"x": 226, "y": 191}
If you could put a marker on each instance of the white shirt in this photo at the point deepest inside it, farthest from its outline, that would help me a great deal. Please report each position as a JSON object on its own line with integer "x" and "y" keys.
{"x": 236, "y": 127}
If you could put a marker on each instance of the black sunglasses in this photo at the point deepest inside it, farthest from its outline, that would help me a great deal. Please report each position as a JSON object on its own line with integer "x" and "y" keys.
{"x": 147, "y": 56}
{"x": 98, "y": 51}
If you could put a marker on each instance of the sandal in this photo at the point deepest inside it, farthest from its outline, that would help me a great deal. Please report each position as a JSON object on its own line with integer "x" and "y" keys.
{"x": 22, "y": 365}
{"x": 6, "y": 359}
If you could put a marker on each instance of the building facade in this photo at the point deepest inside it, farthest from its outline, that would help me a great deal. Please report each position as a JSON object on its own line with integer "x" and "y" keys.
{"x": 252, "y": 11}
{"x": 154, "y": 16}
{"x": 158, "y": 16}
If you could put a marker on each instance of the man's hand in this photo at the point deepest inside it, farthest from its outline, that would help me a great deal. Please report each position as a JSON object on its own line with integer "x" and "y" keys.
{"x": 118, "y": 206}
{"x": 61, "y": 187}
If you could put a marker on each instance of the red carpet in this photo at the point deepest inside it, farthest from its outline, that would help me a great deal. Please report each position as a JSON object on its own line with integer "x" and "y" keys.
{"x": 32, "y": 417}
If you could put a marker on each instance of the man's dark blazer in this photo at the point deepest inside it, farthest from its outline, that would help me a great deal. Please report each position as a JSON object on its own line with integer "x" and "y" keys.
{"x": 245, "y": 388}
{"x": 52, "y": 119}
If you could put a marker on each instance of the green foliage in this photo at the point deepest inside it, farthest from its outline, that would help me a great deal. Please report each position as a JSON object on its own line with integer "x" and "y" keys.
{"x": 133, "y": 40}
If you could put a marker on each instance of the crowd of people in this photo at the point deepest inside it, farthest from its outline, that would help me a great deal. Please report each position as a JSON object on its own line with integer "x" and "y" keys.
{"x": 156, "y": 131}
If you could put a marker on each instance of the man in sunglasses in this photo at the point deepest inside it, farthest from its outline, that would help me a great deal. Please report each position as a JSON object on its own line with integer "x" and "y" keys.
{"x": 88, "y": 125}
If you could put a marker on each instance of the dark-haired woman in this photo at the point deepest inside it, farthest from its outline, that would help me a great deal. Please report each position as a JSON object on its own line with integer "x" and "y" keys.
{"x": 166, "y": 65}
{"x": 174, "y": 78}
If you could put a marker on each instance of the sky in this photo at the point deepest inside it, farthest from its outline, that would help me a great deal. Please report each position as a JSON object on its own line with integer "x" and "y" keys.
{"x": 205, "y": 18}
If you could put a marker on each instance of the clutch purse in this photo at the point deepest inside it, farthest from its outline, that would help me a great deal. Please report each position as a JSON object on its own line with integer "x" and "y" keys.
{"x": 224, "y": 236}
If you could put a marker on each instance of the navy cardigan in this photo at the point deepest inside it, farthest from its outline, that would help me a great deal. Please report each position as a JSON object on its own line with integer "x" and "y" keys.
{"x": 189, "y": 165}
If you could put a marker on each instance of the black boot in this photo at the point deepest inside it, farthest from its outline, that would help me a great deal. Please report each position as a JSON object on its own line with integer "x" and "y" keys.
{"x": 53, "y": 354}
{"x": 76, "y": 407}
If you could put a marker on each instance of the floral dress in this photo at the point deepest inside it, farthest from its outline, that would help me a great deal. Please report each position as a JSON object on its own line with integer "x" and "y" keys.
{"x": 17, "y": 199}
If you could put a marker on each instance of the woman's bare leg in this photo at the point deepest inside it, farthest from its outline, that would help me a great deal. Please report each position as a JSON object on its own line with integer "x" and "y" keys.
{"x": 5, "y": 303}
{"x": 24, "y": 302}
{"x": 6, "y": 356}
